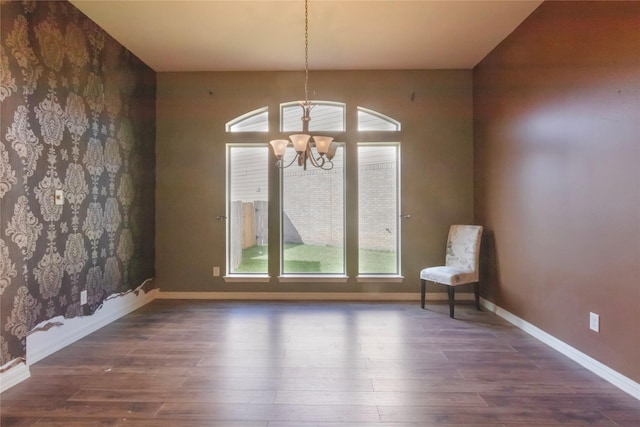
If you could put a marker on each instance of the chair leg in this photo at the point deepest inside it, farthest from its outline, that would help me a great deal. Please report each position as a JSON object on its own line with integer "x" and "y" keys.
{"x": 476, "y": 291}
{"x": 451, "y": 291}
{"x": 423, "y": 287}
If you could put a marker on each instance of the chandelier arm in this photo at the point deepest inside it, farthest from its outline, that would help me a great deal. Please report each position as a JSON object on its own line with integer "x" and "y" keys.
{"x": 329, "y": 165}
{"x": 314, "y": 161}
{"x": 290, "y": 163}
{"x": 325, "y": 164}
{"x": 322, "y": 163}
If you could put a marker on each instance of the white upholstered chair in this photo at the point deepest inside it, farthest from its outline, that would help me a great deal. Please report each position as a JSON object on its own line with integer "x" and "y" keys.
{"x": 461, "y": 263}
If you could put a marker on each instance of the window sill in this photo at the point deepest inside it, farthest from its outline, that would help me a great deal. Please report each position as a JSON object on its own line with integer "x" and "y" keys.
{"x": 289, "y": 278}
{"x": 316, "y": 278}
{"x": 255, "y": 278}
{"x": 376, "y": 278}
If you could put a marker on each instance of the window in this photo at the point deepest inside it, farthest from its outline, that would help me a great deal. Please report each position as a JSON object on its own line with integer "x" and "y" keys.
{"x": 253, "y": 121}
{"x": 372, "y": 120}
{"x": 247, "y": 209}
{"x": 313, "y": 224}
{"x": 313, "y": 218}
{"x": 325, "y": 116}
{"x": 378, "y": 209}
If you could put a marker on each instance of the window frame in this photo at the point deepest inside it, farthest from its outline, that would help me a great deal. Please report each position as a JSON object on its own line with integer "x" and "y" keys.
{"x": 314, "y": 277}
{"x": 384, "y": 137}
{"x": 381, "y": 117}
{"x": 232, "y": 276}
{"x": 288, "y": 104}
{"x": 363, "y": 277}
{"x": 237, "y": 120}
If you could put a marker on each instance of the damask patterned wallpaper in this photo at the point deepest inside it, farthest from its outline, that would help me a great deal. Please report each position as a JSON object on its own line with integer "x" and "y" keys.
{"x": 78, "y": 115}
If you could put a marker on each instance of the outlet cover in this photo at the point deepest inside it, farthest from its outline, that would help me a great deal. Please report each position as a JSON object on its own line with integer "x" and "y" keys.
{"x": 59, "y": 197}
{"x": 83, "y": 297}
{"x": 216, "y": 271}
{"x": 594, "y": 322}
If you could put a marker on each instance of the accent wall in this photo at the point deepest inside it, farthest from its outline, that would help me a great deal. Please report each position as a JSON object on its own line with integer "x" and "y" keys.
{"x": 77, "y": 118}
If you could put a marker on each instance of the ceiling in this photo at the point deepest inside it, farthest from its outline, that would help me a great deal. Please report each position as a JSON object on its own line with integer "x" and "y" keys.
{"x": 240, "y": 35}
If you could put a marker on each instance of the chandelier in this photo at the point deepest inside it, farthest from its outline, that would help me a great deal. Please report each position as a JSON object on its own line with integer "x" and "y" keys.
{"x": 303, "y": 144}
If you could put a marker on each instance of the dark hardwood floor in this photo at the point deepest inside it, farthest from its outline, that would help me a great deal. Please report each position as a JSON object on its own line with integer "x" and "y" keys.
{"x": 302, "y": 364}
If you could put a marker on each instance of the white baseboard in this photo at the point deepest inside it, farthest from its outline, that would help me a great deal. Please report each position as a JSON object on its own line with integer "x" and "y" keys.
{"x": 623, "y": 383}
{"x": 13, "y": 376}
{"x": 313, "y": 296}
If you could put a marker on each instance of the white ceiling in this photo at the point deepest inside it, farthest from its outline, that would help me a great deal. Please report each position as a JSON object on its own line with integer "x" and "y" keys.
{"x": 242, "y": 35}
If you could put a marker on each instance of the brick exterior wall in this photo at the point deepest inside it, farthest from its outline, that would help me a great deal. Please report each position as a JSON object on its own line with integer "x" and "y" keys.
{"x": 378, "y": 208}
{"x": 314, "y": 202}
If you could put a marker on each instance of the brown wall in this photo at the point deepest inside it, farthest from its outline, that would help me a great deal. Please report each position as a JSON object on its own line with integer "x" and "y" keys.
{"x": 436, "y": 155}
{"x": 557, "y": 173}
{"x": 77, "y": 114}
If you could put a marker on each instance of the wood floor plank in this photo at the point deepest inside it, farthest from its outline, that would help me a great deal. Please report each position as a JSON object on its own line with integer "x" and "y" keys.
{"x": 277, "y": 362}
{"x": 6, "y": 421}
{"x": 109, "y": 380}
{"x": 82, "y": 410}
{"x": 200, "y": 396}
{"x": 233, "y": 372}
{"x": 398, "y": 372}
{"x": 66, "y": 422}
{"x": 311, "y": 364}
{"x": 481, "y": 416}
{"x": 560, "y": 401}
{"x": 329, "y": 413}
{"x": 288, "y": 384}
{"x": 379, "y": 398}
{"x": 469, "y": 385}
{"x": 156, "y": 422}
{"x": 624, "y": 417}
{"x": 331, "y": 424}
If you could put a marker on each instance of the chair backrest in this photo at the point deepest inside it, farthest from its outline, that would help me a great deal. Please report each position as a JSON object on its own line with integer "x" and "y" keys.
{"x": 463, "y": 247}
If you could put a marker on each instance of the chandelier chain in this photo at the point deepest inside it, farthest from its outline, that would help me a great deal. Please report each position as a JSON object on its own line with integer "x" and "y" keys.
{"x": 324, "y": 146}
{"x": 306, "y": 52}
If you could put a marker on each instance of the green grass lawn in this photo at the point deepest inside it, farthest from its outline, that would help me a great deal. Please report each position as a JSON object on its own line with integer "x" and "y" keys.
{"x": 316, "y": 259}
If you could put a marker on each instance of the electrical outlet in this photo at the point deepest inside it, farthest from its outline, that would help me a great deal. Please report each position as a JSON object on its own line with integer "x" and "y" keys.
{"x": 216, "y": 271}
{"x": 59, "y": 197}
{"x": 83, "y": 297}
{"x": 594, "y": 322}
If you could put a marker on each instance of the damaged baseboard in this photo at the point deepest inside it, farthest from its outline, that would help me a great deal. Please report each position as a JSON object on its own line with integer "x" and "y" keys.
{"x": 57, "y": 333}
{"x": 46, "y": 341}
{"x": 17, "y": 373}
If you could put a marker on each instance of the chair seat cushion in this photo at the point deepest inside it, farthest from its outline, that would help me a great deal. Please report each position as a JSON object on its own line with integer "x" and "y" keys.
{"x": 448, "y": 275}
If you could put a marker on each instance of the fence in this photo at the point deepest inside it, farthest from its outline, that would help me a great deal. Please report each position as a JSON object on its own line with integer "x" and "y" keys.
{"x": 248, "y": 222}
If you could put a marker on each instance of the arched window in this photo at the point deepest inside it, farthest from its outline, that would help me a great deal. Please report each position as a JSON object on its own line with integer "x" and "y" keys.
{"x": 253, "y": 121}
{"x": 372, "y": 120}
{"x": 325, "y": 116}
{"x": 313, "y": 222}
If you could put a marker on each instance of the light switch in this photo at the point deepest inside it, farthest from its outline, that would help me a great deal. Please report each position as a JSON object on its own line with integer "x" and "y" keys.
{"x": 59, "y": 197}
